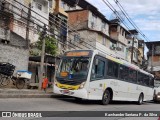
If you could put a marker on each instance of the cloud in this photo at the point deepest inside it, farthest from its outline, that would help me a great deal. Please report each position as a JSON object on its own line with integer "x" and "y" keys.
{"x": 148, "y": 25}
{"x": 145, "y": 13}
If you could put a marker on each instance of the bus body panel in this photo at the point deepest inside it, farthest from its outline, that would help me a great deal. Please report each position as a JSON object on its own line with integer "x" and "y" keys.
{"x": 81, "y": 93}
{"x": 122, "y": 90}
{"x": 133, "y": 91}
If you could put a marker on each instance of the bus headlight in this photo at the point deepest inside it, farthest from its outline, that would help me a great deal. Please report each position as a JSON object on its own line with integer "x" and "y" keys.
{"x": 82, "y": 85}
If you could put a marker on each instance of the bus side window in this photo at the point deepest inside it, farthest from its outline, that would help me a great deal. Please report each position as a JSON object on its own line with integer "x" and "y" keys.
{"x": 140, "y": 78}
{"x": 146, "y": 80}
{"x": 112, "y": 69}
{"x": 151, "y": 81}
{"x": 124, "y": 71}
{"x": 98, "y": 69}
{"x": 132, "y": 75}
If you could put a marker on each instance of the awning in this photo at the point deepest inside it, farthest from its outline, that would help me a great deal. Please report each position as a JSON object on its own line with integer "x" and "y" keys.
{"x": 47, "y": 59}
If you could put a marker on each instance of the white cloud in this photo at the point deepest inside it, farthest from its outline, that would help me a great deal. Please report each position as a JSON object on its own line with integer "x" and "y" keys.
{"x": 145, "y": 13}
{"x": 148, "y": 25}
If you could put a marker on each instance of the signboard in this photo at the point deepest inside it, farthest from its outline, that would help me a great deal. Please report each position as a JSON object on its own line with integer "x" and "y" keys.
{"x": 77, "y": 53}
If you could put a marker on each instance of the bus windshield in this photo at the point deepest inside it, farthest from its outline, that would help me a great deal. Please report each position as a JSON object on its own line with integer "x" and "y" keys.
{"x": 73, "y": 68}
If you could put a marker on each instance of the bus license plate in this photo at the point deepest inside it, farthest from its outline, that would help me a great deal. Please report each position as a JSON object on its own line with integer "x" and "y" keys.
{"x": 66, "y": 91}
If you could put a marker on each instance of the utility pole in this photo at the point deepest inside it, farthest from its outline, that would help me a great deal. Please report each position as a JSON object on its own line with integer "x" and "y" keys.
{"x": 132, "y": 49}
{"x": 43, "y": 35}
{"x": 27, "y": 28}
{"x": 152, "y": 57}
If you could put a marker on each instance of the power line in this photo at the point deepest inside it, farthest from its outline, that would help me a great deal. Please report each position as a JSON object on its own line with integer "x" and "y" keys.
{"x": 66, "y": 26}
{"x": 116, "y": 13}
{"x": 129, "y": 19}
{"x": 42, "y": 27}
{"x": 46, "y": 19}
{"x": 47, "y": 29}
{"x": 38, "y": 24}
{"x": 54, "y": 23}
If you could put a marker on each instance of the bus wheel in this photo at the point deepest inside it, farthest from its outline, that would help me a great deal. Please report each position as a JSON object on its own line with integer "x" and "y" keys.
{"x": 140, "y": 99}
{"x": 106, "y": 97}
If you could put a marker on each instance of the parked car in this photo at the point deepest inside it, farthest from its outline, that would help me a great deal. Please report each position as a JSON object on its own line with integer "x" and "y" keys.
{"x": 156, "y": 96}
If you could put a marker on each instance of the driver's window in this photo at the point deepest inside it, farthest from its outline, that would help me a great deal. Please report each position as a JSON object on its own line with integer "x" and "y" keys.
{"x": 98, "y": 69}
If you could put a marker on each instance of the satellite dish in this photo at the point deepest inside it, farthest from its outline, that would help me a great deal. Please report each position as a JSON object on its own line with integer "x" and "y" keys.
{"x": 117, "y": 15}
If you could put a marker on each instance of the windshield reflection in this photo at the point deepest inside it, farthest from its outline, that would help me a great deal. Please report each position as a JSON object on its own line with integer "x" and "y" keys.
{"x": 73, "y": 68}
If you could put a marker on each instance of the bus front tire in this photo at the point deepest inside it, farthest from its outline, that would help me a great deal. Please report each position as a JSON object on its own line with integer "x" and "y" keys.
{"x": 106, "y": 97}
{"x": 140, "y": 99}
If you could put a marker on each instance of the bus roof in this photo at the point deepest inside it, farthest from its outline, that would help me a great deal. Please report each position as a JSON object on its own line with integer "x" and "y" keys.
{"x": 117, "y": 60}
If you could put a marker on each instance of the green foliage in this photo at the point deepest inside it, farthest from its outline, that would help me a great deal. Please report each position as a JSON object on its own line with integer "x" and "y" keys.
{"x": 34, "y": 52}
{"x": 50, "y": 45}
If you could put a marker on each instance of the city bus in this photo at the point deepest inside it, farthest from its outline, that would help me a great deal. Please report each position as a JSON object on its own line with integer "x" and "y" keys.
{"x": 93, "y": 75}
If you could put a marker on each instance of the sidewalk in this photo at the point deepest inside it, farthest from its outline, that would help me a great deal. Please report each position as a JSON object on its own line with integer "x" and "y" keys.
{"x": 26, "y": 93}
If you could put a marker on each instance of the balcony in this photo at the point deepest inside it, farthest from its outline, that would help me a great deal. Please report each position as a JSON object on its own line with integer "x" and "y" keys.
{"x": 155, "y": 53}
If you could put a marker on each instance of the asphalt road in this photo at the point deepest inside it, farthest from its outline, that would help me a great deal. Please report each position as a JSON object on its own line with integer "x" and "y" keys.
{"x": 69, "y": 104}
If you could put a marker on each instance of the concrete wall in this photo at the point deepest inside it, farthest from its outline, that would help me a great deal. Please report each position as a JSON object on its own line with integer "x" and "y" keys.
{"x": 140, "y": 56}
{"x": 19, "y": 27}
{"x": 44, "y": 12}
{"x": 86, "y": 36}
{"x": 78, "y": 19}
{"x": 122, "y": 35}
{"x": 156, "y": 61}
{"x": 17, "y": 40}
{"x": 14, "y": 55}
{"x": 97, "y": 24}
{"x": 118, "y": 34}
{"x": 135, "y": 42}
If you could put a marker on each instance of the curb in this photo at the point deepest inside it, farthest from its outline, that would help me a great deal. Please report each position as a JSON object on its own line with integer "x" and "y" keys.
{"x": 2, "y": 96}
{"x": 28, "y": 96}
{"x": 25, "y": 93}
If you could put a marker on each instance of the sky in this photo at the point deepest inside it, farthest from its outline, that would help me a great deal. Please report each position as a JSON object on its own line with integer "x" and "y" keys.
{"x": 144, "y": 13}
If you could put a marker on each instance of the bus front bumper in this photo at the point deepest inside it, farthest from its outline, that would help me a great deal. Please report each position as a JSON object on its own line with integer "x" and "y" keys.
{"x": 80, "y": 93}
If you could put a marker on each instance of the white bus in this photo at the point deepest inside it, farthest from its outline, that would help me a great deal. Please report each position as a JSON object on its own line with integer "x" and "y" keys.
{"x": 88, "y": 74}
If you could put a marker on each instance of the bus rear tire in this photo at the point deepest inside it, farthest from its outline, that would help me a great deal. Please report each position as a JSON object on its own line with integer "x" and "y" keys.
{"x": 106, "y": 97}
{"x": 140, "y": 99}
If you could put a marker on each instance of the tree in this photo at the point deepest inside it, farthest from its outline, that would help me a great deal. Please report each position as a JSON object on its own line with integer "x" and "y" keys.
{"x": 50, "y": 45}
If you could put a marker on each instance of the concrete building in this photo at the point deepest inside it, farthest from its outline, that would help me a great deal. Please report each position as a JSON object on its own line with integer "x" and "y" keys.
{"x": 58, "y": 24}
{"x": 121, "y": 35}
{"x": 21, "y": 13}
{"x": 133, "y": 47}
{"x": 41, "y": 7}
{"x": 154, "y": 58}
{"x": 141, "y": 57}
{"x": 89, "y": 29}
{"x": 12, "y": 46}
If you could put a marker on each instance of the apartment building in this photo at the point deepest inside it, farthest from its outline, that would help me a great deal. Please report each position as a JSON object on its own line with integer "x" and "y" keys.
{"x": 89, "y": 29}
{"x": 39, "y": 15}
{"x": 154, "y": 58}
{"x": 141, "y": 57}
{"x": 59, "y": 24}
{"x": 12, "y": 45}
{"x": 120, "y": 34}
